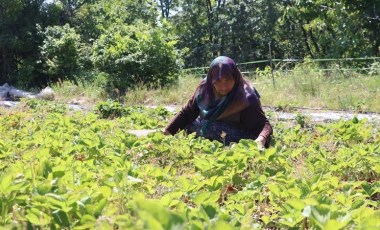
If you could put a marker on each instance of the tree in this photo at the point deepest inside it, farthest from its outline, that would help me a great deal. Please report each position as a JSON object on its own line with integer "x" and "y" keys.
{"x": 367, "y": 14}
{"x": 166, "y": 6}
{"x": 240, "y": 29}
{"x": 60, "y": 52}
{"x": 248, "y": 28}
{"x": 327, "y": 29}
{"x": 136, "y": 54}
{"x": 67, "y": 9}
{"x": 9, "y": 14}
{"x": 18, "y": 38}
{"x": 191, "y": 26}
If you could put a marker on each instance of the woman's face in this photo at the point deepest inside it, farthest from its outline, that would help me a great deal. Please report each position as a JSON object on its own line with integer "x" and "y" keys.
{"x": 222, "y": 74}
{"x": 223, "y": 85}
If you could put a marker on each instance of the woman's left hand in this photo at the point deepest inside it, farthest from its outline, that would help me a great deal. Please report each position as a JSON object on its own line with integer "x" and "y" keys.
{"x": 166, "y": 132}
{"x": 260, "y": 140}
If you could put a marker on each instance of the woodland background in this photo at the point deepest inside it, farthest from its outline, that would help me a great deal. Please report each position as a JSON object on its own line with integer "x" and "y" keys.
{"x": 121, "y": 43}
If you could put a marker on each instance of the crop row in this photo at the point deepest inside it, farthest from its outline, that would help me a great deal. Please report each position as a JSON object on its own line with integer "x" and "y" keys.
{"x": 61, "y": 169}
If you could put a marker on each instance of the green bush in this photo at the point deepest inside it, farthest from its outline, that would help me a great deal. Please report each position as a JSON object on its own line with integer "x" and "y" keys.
{"x": 61, "y": 52}
{"x": 136, "y": 54}
{"x": 110, "y": 109}
{"x": 44, "y": 106}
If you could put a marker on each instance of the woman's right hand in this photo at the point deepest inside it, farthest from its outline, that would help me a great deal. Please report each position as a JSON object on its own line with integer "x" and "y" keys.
{"x": 260, "y": 140}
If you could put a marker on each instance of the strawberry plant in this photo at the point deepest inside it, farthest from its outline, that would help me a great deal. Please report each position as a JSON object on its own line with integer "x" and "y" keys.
{"x": 79, "y": 170}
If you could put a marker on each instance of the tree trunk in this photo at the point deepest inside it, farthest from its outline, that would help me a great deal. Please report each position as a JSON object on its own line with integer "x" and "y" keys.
{"x": 375, "y": 36}
{"x": 3, "y": 77}
{"x": 315, "y": 43}
{"x": 165, "y": 8}
{"x": 376, "y": 43}
{"x": 305, "y": 38}
{"x": 210, "y": 25}
{"x": 2, "y": 51}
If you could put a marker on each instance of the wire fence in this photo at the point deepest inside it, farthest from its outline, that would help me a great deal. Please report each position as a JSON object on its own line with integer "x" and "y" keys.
{"x": 282, "y": 67}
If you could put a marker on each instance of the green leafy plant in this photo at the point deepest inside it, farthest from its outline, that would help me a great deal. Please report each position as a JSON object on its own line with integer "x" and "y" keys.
{"x": 136, "y": 54}
{"x": 82, "y": 171}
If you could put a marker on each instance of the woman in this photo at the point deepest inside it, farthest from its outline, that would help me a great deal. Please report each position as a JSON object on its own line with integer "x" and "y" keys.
{"x": 224, "y": 107}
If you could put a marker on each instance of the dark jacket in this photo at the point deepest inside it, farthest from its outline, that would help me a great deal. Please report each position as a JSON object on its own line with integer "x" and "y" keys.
{"x": 252, "y": 118}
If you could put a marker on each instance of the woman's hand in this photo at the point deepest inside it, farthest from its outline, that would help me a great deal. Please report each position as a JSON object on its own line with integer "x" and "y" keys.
{"x": 166, "y": 132}
{"x": 260, "y": 140}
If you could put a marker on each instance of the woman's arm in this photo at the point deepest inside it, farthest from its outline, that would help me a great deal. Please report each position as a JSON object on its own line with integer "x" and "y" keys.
{"x": 253, "y": 118}
{"x": 183, "y": 118}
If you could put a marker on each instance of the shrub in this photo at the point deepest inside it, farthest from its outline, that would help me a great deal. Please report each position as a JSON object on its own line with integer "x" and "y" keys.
{"x": 60, "y": 52}
{"x": 136, "y": 54}
{"x": 110, "y": 109}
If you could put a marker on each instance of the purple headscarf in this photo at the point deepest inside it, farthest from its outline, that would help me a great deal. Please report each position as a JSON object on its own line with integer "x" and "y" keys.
{"x": 240, "y": 97}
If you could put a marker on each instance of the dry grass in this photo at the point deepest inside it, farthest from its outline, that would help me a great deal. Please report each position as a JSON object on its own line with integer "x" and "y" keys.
{"x": 300, "y": 88}
{"x": 86, "y": 95}
{"x": 176, "y": 95}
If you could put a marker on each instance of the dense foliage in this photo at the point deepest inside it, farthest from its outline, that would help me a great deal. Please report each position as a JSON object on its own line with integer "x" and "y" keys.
{"x": 133, "y": 41}
{"x": 62, "y": 169}
{"x": 60, "y": 52}
{"x": 136, "y": 54}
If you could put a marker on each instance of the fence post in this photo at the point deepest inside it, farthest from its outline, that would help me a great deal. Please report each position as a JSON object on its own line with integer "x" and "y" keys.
{"x": 271, "y": 64}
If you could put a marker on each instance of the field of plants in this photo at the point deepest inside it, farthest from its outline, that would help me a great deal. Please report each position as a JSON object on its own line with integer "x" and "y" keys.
{"x": 62, "y": 169}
